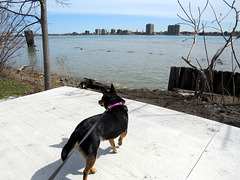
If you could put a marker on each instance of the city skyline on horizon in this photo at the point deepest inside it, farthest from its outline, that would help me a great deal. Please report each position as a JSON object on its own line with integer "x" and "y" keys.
{"x": 149, "y": 30}
{"x": 110, "y": 31}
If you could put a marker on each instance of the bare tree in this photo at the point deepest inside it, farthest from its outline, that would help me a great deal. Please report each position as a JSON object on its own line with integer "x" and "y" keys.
{"x": 27, "y": 9}
{"x": 207, "y": 73}
{"x": 10, "y": 37}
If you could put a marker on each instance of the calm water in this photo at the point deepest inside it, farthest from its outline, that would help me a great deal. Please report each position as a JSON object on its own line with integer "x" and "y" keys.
{"x": 129, "y": 61}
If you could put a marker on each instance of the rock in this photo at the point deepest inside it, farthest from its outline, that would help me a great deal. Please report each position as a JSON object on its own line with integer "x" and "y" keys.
{"x": 91, "y": 84}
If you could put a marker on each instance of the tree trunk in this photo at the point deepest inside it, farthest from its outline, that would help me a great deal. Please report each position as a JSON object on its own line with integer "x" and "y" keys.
{"x": 46, "y": 54}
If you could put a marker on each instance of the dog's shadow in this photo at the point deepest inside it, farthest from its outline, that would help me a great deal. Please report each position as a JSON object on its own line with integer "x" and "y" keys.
{"x": 74, "y": 165}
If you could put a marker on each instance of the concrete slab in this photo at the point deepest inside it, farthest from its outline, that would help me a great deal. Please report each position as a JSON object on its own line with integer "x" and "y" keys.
{"x": 161, "y": 143}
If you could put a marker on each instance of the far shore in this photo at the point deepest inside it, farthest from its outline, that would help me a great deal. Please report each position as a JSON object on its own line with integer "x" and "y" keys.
{"x": 165, "y": 33}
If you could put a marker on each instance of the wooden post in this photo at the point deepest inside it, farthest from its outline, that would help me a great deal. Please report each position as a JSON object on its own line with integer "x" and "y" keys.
{"x": 237, "y": 84}
{"x": 29, "y": 38}
{"x": 173, "y": 78}
{"x": 186, "y": 80}
{"x": 217, "y": 82}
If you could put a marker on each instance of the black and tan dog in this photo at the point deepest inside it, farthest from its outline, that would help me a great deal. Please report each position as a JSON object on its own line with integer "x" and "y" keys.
{"x": 110, "y": 125}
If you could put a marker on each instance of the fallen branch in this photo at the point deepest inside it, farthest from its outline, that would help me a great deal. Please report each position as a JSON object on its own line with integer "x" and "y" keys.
{"x": 22, "y": 68}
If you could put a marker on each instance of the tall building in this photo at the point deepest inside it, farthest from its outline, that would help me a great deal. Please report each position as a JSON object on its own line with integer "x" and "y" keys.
{"x": 97, "y": 31}
{"x": 150, "y": 29}
{"x": 119, "y": 31}
{"x": 104, "y": 32}
{"x": 174, "y": 29}
{"x": 113, "y": 31}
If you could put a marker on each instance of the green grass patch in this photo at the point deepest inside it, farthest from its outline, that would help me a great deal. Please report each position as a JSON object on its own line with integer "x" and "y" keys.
{"x": 12, "y": 88}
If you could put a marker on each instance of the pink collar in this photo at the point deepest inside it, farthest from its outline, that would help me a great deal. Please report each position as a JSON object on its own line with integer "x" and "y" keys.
{"x": 116, "y": 104}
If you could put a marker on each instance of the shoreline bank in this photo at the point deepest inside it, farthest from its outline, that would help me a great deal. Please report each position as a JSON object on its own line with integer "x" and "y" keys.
{"x": 226, "y": 112}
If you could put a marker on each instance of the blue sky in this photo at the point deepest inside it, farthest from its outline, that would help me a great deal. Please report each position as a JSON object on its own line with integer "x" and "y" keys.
{"x": 81, "y": 15}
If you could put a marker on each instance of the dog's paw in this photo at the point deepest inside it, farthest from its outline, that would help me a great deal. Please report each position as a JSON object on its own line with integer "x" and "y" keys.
{"x": 93, "y": 170}
{"x": 119, "y": 142}
{"x": 114, "y": 150}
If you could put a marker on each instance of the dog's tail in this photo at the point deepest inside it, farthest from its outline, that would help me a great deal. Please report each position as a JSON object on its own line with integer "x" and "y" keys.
{"x": 69, "y": 146}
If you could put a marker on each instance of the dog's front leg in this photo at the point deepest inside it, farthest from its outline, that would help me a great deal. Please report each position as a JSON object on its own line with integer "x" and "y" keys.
{"x": 112, "y": 143}
{"x": 120, "y": 140}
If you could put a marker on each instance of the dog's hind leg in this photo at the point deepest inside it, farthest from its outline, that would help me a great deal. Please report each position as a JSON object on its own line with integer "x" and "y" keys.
{"x": 112, "y": 143}
{"x": 90, "y": 161}
{"x": 120, "y": 140}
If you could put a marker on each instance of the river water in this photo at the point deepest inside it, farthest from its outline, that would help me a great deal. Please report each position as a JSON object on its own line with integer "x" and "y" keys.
{"x": 129, "y": 61}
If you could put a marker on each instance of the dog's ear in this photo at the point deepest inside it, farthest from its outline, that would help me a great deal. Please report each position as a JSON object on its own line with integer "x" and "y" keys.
{"x": 103, "y": 91}
{"x": 112, "y": 90}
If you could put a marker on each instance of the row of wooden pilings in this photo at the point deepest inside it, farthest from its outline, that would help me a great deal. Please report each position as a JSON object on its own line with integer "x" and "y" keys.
{"x": 224, "y": 82}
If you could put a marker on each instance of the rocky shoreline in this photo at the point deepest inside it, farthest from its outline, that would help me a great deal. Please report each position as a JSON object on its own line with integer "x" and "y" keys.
{"x": 220, "y": 110}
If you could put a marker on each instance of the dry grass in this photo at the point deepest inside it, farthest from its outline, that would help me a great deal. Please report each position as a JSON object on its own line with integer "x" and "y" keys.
{"x": 35, "y": 80}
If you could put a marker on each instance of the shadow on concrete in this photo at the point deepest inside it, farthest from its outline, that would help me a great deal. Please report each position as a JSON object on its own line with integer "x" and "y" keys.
{"x": 73, "y": 166}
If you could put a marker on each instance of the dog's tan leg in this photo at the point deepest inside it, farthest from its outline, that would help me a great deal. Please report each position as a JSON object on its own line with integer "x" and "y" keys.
{"x": 112, "y": 143}
{"x": 120, "y": 140}
{"x": 94, "y": 170}
{"x": 89, "y": 166}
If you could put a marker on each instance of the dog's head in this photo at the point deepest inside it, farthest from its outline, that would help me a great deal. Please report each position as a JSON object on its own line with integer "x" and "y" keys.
{"x": 110, "y": 97}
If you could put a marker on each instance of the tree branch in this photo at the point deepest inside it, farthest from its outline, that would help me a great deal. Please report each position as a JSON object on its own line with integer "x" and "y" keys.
{"x": 21, "y": 14}
{"x": 190, "y": 20}
{"x": 229, "y": 40}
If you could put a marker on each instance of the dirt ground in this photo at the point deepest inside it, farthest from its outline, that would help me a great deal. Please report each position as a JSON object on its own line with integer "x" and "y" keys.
{"x": 218, "y": 109}
{"x": 227, "y": 113}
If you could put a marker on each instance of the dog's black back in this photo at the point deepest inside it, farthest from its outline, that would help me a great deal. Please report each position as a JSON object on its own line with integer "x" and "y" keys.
{"x": 111, "y": 124}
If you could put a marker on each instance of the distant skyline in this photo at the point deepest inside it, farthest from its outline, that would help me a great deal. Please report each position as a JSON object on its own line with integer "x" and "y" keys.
{"x": 133, "y": 15}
